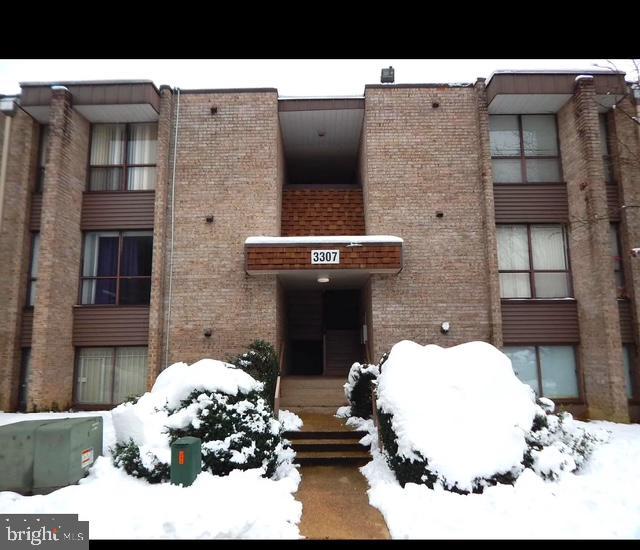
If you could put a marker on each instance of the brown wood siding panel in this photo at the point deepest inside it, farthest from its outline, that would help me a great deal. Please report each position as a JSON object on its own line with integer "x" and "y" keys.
{"x": 110, "y": 326}
{"x": 133, "y": 210}
{"x": 626, "y": 321}
{"x": 322, "y": 211}
{"x": 26, "y": 328}
{"x": 35, "y": 214}
{"x": 540, "y": 322}
{"x": 522, "y": 203}
{"x": 613, "y": 201}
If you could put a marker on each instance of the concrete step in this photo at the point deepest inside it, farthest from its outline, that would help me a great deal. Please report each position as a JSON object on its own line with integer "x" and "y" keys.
{"x": 325, "y": 434}
{"x": 308, "y": 391}
{"x": 305, "y": 410}
{"x": 333, "y": 457}
{"x": 326, "y": 445}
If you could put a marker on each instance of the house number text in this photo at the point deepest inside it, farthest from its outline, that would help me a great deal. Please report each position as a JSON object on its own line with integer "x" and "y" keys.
{"x": 325, "y": 256}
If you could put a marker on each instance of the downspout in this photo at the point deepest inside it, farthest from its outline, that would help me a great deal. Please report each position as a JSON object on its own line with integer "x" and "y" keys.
{"x": 173, "y": 217}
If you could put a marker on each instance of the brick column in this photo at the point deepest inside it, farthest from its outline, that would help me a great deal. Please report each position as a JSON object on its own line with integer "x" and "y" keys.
{"x": 625, "y": 138}
{"x": 161, "y": 228}
{"x": 52, "y": 355}
{"x": 491, "y": 243}
{"x": 593, "y": 279}
{"x": 15, "y": 246}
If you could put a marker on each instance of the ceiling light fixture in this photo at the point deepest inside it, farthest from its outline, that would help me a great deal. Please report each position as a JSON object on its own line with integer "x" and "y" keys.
{"x": 323, "y": 279}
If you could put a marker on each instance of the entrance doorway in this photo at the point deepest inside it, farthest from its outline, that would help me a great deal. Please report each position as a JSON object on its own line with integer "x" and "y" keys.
{"x": 324, "y": 329}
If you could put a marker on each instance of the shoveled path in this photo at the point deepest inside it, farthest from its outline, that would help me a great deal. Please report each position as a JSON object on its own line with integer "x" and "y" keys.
{"x": 334, "y": 498}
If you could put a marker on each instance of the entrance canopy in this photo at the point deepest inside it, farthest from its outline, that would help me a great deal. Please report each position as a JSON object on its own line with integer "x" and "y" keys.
{"x": 320, "y": 256}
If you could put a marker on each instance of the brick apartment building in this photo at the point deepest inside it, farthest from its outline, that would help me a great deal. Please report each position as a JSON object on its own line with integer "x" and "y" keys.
{"x": 144, "y": 226}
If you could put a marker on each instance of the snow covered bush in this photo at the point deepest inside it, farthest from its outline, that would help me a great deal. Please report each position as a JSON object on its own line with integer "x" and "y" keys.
{"x": 358, "y": 388}
{"x": 459, "y": 418}
{"x": 261, "y": 362}
{"x": 214, "y": 401}
{"x": 556, "y": 443}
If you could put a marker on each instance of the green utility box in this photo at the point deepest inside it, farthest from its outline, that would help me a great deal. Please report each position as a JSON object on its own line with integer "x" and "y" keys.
{"x": 39, "y": 456}
{"x": 186, "y": 460}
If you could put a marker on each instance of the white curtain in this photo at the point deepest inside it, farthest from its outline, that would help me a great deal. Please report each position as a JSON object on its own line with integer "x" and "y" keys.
{"x": 513, "y": 254}
{"x": 548, "y": 246}
{"x": 131, "y": 372}
{"x": 142, "y": 149}
{"x": 107, "y": 144}
{"x": 95, "y": 375}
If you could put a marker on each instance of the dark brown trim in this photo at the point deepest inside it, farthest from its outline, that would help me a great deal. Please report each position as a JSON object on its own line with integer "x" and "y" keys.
{"x": 320, "y": 186}
{"x": 528, "y": 322}
{"x": 531, "y": 203}
{"x": 117, "y": 210}
{"x": 333, "y": 104}
{"x": 107, "y": 326}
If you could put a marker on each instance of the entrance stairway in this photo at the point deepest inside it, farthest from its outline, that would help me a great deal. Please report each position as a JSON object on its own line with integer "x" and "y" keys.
{"x": 312, "y": 394}
{"x": 325, "y": 439}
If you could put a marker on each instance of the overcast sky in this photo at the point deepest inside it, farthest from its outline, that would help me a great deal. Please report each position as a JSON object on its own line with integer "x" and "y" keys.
{"x": 296, "y": 77}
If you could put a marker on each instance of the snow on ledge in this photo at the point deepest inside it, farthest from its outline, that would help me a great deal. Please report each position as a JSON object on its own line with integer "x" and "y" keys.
{"x": 340, "y": 239}
{"x": 584, "y": 77}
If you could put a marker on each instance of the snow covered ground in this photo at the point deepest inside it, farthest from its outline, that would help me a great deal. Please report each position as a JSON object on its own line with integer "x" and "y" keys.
{"x": 600, "y": 502}
{"x": 118, "y": 506}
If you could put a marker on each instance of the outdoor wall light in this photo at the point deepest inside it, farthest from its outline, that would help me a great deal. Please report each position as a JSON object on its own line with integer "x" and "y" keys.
{"x": 323, "y": 279}
{"x": 209, "y": 219}
{"x": 439, "y": 213}
{"x": 214, "y": 110}
{"x": 444, "y": 327}
{"x": 207, "y": 332}
{"x": 435, "y": 105}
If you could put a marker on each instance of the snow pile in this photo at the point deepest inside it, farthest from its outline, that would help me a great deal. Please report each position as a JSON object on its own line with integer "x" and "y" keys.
{"x": 358, "y": 388}
{"x": 291, "y": 422}
{"x": 211, "y": 400}
{"x": 600, "y": 502}
{"x": 455, "y": 416}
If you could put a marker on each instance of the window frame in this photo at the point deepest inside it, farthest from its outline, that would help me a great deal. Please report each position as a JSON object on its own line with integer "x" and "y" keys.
{"x": 531, "y": 271}
{"x": 122, "y": 185}
{"x": 76, "y": 370}
{"x": 633, "y": 373}
{"x": 523, "y": 158}
{"x": 579, "y": 400}
{"x": 117, "y": 277}
{"x": 40, "y": 170}
{"x": 621, "y": 294}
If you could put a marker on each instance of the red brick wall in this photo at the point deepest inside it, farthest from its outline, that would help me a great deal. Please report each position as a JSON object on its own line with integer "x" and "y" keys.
{"x": 269, "y": 258}
{"x": 322, "y": 211}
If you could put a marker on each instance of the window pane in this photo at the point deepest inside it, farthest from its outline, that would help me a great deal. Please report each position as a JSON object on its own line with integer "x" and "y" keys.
{"x": 548, "y": 248}
{"x": 99, "y": 291}
{"x": 507, "y": 171}
{"x": 539, "y": 135}
{"x": 105, "y": 179}
{"x": 513, "y": 249}
{"x": 100, "y": 254}
{"x": 543, "y": 170}
{"x": 141, "y": 179}
{"x": 627, "y": 357}
{"x": 558, "y": 365}
{"x": 25, "y": 375}
{"x": 95, "y": 375}
{"x": 523, "y": 361}
{"x": 137, "y": 250}
{"x": 35, "y": 254}
{"x": 107, "y": 144}
{"x": 131, "y": 373}
{"x": 515, "y": 285}
{"x": 44, "y": 144}
{"x": 142, "y": 143}
{"x": 604, "y": 141}
{"x": 33, "y": 292}
{"x": 615, "y": 250}
{"x": 135, "y": 291}
{"x": 504, "y": 135}
{"x": 552, "y": 285}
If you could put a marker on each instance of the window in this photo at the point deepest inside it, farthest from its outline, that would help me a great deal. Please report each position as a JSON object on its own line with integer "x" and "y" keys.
{"x": 533, "y": 261}
{"x": 117, "y": 267}
{"x": 524, "y": 149}
{"x": 42, "y": 157}
{"x": 604, "y": 147}
{"x": 549, "y": 370}
{"x": 123, "y": 157}
{"x": 33, "y": 270}
{"x": 25, "y": 374}
{"x": 614, "y": 239}
{"x": 628, "y": 354}
{"x": 110, "y": 375}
